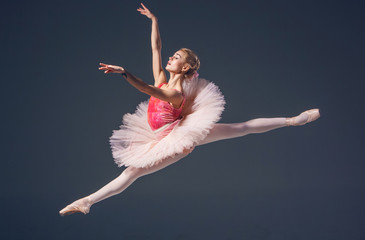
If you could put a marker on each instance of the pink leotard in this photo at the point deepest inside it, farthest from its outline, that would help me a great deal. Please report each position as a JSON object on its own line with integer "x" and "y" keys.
{"x": 161, "y": 113}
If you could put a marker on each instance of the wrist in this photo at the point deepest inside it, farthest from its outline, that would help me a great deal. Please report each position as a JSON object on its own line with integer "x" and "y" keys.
{"x": 122, "y": 70}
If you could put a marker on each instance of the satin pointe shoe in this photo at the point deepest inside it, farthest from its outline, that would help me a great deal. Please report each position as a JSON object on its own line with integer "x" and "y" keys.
{"x": 303, "y": 118}
{"x": 82, "y": 205}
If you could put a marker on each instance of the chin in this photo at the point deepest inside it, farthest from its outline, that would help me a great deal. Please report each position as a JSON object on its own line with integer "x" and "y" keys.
{"x": 168, "y": 68}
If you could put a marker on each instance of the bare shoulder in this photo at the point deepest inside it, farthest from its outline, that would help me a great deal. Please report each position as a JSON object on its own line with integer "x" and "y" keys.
{"x": 177, "y": 88}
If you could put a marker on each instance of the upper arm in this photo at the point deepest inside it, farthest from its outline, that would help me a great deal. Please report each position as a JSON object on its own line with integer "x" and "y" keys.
{"x": 158, "y": 72}
{"x": 168, "y": 95}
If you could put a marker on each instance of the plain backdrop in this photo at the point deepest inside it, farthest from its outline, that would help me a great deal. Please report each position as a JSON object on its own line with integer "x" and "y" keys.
{"x": 269, "y": 58}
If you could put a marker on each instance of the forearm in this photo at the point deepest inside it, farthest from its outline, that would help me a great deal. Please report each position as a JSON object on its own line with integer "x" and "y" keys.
{"x": 155, "y": 35}
{"x": 135, "y": 81}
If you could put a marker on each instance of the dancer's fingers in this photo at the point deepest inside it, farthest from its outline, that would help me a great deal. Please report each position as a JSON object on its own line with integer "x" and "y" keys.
{"x": 142, "y": 12}
{"x": 103, "y": 64}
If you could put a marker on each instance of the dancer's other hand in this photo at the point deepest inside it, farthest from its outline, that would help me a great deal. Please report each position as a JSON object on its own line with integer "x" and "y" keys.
{"x": 145, "y": 11}
{"x": 111, "y": 68}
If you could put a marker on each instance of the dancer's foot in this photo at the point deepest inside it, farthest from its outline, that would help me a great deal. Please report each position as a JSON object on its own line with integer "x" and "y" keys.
{"x": 303, "y": 118}
{"x": 82, "y": 205}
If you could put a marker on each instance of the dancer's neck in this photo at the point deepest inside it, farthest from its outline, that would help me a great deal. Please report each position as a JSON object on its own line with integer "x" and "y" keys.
{"x": 175, "y": 80}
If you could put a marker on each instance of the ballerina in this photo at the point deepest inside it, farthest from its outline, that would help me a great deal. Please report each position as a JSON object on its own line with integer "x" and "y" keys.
{"x": 182, "y": 113}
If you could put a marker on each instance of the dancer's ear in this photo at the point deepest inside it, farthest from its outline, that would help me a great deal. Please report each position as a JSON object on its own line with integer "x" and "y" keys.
{"x": 185, "y": 68}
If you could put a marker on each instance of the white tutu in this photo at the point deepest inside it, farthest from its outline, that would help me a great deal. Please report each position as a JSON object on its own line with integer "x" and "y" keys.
{"x": 135, "y": 144}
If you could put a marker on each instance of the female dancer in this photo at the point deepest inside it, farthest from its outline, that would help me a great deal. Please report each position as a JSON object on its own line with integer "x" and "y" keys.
{"x": 181, "y": 114}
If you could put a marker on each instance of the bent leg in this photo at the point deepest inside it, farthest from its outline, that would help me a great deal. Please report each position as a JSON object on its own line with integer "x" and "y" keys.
{"x": 222, "y": 131}
{"x": 128, "y": 176}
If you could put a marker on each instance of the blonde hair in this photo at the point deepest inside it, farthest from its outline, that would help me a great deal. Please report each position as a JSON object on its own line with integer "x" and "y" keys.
{"x": 193, "y": 61}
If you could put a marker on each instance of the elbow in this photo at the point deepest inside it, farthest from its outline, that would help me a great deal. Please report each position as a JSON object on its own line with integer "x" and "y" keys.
{"x": 157, "y": 46}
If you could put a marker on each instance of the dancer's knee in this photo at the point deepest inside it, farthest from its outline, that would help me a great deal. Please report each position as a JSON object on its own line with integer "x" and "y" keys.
{"x": 244, "y": 128}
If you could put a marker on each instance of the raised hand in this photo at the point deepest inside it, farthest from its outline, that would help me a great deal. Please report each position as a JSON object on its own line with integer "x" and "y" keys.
{"x": 111, "y": 68}
{"x": 145, "y": 11}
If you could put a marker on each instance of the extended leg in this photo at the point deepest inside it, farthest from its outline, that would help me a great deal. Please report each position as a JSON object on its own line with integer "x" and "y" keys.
{"x": 222, "y": 131}
{"x": 119, "y": 184}
{"x": 128, "y": 176}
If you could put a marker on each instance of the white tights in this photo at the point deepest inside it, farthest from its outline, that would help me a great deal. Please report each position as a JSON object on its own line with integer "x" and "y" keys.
{"x": 220, "y": 131}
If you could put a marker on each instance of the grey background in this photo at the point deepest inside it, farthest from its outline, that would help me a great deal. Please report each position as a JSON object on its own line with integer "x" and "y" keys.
{"x": 269, "y": 58}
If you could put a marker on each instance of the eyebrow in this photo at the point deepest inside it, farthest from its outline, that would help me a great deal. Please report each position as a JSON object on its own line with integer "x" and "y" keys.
{"x": 178, "y": 54}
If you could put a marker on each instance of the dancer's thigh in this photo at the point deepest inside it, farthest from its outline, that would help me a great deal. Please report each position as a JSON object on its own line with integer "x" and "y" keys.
{"x": 164, "y": 163}
{"x": 222, "y": 131}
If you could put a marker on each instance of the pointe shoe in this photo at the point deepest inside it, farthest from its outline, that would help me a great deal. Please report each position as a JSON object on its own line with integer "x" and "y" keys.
{"x": 82, "y": 205}
{"x": 299, "y": 120}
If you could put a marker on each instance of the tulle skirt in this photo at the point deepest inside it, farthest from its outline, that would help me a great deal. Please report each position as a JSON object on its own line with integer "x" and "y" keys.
{"x": 136, "y": 144}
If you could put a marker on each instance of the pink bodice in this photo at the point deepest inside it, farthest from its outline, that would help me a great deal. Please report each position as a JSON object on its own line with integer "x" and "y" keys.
{"x": 160, "y": 112}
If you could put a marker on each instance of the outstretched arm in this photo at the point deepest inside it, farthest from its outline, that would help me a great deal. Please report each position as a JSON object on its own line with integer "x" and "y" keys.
{"x": 168, "y": 95}
{"x": 158, "y": 73}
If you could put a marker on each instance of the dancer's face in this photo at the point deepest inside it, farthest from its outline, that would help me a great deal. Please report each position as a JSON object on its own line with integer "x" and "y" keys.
{"x": 177, "y": 63}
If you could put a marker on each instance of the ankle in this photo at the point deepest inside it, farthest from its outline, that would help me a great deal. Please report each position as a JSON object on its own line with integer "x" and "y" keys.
{"x": 89, "y": 200}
